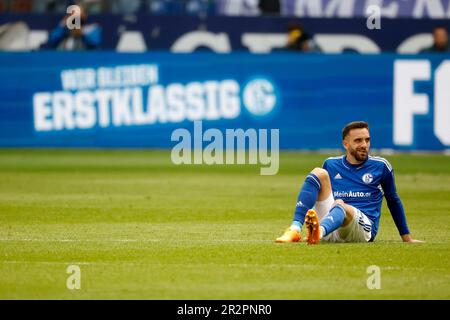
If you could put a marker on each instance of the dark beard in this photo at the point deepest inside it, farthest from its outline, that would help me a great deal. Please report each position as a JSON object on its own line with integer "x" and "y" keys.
{"x": 358, "y": 157}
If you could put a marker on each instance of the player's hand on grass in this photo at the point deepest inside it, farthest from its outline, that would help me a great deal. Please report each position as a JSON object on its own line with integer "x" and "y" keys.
{"x": 414, "y": 241}
{"x": 408, "y": 238}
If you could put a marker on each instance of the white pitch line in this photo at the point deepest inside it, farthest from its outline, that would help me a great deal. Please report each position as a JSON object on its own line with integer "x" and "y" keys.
{"x": 184, "y": 265}
{"x": 193, "y": 265}
{"x": 232, "y": 265}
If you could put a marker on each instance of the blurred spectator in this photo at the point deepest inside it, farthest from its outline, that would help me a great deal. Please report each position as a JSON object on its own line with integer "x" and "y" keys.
{"x": 298, "y": 39}
{"x": 440, "y": 41}
{"x": 88, "y": 37}
{"x": 269, "y": 7}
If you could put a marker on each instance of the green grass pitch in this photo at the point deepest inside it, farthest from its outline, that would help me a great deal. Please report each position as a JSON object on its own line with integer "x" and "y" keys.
{"x": 140, "y": 227}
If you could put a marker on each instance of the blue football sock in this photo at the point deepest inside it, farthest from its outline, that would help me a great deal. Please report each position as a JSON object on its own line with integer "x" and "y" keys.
{"x": 334, "y": 219}
{"x": 306, "y": 199}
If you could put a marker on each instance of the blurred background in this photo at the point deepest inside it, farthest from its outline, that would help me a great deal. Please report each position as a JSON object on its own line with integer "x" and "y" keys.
{"x": 290, "y": 64}
{"x": 243, "y": 25}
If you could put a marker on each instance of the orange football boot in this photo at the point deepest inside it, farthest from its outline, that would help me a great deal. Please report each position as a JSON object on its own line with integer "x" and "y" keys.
{"x": 313, "y": 226}
{"x": 289, "y": 236}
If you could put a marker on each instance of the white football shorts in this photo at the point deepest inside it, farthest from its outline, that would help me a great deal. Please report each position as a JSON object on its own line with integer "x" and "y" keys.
{"x": 358, "y": 230}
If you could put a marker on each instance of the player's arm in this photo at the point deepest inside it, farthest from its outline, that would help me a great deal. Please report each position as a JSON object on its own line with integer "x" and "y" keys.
{"x": 395, "y": 206}
{"x": 93, "y": 37}
{"x": 57, "y": 35}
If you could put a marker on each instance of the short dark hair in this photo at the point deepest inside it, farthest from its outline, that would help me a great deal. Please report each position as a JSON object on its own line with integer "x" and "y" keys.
{"x": 354, "y": 125}
{"x": 295, "y": 26}
{"x": 439, "y": 26}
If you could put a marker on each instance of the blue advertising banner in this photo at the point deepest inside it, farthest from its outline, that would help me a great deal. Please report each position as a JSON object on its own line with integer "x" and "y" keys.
{"x": 107, "y": 99}
{"x": 142, "y": 32}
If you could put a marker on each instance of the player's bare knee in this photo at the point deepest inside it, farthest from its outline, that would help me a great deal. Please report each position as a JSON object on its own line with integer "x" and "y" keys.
{"x": 339, "y": 201}
{"x": 321, "y": 173}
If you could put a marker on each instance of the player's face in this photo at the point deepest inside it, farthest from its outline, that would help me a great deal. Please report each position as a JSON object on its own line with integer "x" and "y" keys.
{"x": 440, "y": 37}
{"x": 357, "y": 144}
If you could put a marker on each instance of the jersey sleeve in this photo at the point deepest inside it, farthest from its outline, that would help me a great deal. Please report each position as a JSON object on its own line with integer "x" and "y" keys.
{"x": 325, "y": 165}
{"x": 393, "y": 200}
{"x": 56, "y": 36}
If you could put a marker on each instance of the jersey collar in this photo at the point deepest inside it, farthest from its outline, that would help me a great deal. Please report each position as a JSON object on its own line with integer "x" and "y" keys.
{"x": 353, "y": 166}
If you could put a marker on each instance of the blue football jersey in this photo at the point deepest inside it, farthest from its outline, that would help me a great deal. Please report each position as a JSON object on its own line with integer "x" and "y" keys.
{"x": 363, "y": 187}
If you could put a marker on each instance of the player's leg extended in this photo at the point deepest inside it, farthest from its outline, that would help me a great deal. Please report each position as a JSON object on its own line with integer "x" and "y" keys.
{"x": 317, "y": 187}
{"x": 340, "y": 215}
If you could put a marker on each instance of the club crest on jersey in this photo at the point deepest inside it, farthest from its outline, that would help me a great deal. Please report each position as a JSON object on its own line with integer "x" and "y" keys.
{"x": 367, "y": 178}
